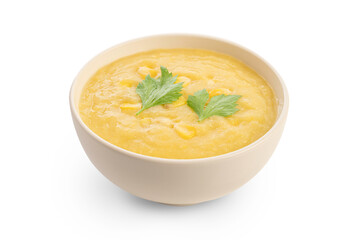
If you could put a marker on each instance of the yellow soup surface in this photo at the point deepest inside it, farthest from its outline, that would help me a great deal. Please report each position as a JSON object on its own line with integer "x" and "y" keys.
{"x": 109, "y": 103}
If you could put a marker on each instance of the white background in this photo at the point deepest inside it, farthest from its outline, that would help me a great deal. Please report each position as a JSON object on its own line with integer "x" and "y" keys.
{"x": 311, "y": 187}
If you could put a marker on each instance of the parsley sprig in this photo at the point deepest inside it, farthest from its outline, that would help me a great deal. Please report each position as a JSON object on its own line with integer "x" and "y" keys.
{"x": 221, "y": 105}
{"x": 158, "y": 91}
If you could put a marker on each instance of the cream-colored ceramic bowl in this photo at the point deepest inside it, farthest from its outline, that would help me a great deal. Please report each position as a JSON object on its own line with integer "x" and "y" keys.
{"x": 175, "y": 181}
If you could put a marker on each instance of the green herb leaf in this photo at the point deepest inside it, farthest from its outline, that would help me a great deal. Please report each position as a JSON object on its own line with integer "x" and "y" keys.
{"x": 221, "y": 105}
{"x": 159, "y": 91}
{"x": 198, "y": 101}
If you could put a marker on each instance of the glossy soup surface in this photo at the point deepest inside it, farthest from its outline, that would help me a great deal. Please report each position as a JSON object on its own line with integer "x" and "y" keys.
{"x": 109, "y": 102}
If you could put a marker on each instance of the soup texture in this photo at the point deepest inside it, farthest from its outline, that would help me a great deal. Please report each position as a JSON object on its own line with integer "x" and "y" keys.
{"x": 109, "y": 103}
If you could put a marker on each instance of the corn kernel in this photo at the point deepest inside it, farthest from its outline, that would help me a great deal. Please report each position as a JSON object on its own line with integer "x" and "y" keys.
{"x": 219, "y": 91}
{"x": 185, "y": 131}
{"x": 130, "y": 106}
{"x": 144, "y": 71}
{"x": 128, "y": 83}
{"x": 186, "y": 81}
{"x": 181, "y": 101}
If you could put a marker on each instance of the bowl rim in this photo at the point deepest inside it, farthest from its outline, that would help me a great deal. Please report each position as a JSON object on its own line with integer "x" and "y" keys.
{"x": 249, "y": 147}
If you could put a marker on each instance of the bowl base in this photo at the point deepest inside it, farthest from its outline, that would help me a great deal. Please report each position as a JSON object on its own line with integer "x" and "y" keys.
{"x": 179, "y": 205}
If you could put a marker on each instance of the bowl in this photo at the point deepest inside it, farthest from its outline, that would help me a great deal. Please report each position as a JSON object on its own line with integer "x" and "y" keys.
{"x": 177, "y": 181}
